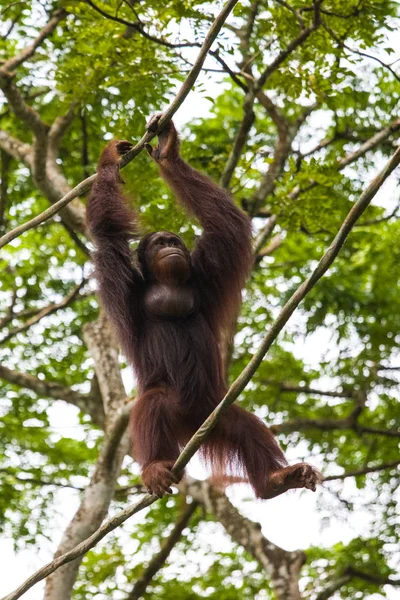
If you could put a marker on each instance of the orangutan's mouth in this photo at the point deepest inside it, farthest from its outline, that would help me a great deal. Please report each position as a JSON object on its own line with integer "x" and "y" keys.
{"x": 180, "y": 254}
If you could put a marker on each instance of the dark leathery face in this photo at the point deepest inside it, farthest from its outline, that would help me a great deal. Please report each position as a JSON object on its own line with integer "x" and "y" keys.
{"x": 164, "y": 258}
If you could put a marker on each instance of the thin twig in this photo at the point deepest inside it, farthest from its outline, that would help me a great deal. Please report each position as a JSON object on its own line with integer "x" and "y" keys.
{"x": 75, "y": 238}
{"x": 352, "y": 573}
{"x": 378, "y": 579}
{"x": 38, "y": 482}
{"x": 382, "y": 219}
{"x": 138, "y": 26}
{"x": 363, "y": 471}
{"x": 284, "y": 386}
{"x": 359, "y": 52}
{"x": 365, "y": 147}
{"x": 323, "y": 424}
{"x": 226, "y": 68}
{"x": 376, "y": 431}
{"x": 44, "y": 312}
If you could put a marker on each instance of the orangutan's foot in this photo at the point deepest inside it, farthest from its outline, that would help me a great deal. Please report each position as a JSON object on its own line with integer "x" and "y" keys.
{"x": 301, "y": 475}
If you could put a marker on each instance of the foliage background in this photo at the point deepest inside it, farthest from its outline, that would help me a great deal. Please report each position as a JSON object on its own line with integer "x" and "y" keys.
{"x": 330, "y": 383}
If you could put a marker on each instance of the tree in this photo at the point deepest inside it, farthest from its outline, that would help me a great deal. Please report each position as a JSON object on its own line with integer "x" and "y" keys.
{"x": 301, "y": 98}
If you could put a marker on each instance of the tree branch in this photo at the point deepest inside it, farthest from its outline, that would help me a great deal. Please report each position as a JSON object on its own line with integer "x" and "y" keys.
{"x": 75, "y": 238}
{"x": 370, "y": 144}
{"x": 376, "y": 431}
{"x": 310, "y": 424}
{"x": 139, "y": 27}
{"x": 12, "y": 63}
{"x": 101, "y": 342}
{"x": 363, "y": 471}
{"x": 44, "y": 312}
{"x": 349, "y": 422}
{"x": 286, "y": 134}
{"x": 285, "y": 386}
{"x": 274, "y": 113}
{"x": 35, "y": 481}
{"x": 5, "y": 160}
{"x": 391, "y": 215}
{"x": 59, "y": 128}
{"x": 15, "y": 148}
{"x": 49, "y": 389}
{"x": 342, "y": 44}
{"x": 270, "y": 249}
{"x": 374, "y": 141}
{"x": 41, "y": 159}
{"x": 252, "y": 92}
{"x": 353, "y": 572}
{"x": 264, "y": 234}
{"x": 333, "y": 587}
{"x": 32, "y": 96}
{"x": 159, "y": 559}
{"x": 286, "y": 131}
{"x": 23, "y": 111}
{"x": 215, "y": 54}
{"x": 100, "y": 491}
{"x": 240, "y": 140}
{"x": 320, "y": 146}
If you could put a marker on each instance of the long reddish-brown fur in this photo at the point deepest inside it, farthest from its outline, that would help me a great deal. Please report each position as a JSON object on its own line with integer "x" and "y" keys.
{"x": 178, "y": 361}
